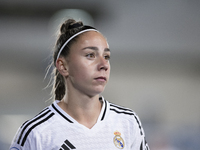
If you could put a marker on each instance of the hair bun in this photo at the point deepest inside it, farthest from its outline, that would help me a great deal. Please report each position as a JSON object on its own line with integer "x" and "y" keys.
{"x": 69, "y": 24}
{"x": 75, "y": 25}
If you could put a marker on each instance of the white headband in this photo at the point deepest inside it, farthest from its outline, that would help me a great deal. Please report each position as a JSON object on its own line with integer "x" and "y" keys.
{"x": 61, "y": 49}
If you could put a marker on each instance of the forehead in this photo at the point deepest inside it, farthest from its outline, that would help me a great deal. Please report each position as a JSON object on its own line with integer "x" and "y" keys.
{"x": 92, "y": 36}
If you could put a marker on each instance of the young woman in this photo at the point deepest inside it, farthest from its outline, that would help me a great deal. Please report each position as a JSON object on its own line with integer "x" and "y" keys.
{"x": 80, "y": 118}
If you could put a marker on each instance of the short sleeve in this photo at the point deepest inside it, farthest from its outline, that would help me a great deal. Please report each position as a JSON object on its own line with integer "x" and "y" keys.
{"x": 139, "y": 141}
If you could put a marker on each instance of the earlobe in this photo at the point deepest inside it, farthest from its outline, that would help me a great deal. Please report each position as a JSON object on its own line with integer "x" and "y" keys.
{"x": 61, "y": 65}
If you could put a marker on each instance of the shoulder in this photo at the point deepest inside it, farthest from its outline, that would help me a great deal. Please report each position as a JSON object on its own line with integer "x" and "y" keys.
{"x": 126, "y": 114}
{"x": 123, "y": 111}
{"x": 29, "y": 128}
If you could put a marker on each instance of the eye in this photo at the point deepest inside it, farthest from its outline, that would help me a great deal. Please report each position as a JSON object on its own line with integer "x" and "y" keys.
{"x": 90, "y": 55}
{"x": 107, "y": 57}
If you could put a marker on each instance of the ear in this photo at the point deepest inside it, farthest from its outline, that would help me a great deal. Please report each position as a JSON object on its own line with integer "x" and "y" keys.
{"x": 61, "y": 65}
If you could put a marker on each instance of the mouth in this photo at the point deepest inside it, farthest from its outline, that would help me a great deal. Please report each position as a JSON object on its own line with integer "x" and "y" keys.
{"x": 101, "y": 79}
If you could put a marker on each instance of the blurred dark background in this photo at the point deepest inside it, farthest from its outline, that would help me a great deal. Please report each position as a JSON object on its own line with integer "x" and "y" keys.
{"x": 155, "y": 62}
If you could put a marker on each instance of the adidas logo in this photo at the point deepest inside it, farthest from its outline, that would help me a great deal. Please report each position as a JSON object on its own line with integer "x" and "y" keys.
{"x": 67, "y": 146}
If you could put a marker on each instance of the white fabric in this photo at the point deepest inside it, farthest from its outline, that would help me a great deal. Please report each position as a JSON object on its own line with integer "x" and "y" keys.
{"x": 54, "y": 129}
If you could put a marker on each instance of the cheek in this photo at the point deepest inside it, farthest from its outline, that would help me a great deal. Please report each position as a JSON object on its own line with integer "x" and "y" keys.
{"x": 108, "y": 74}
{"x": 78, "y": 70}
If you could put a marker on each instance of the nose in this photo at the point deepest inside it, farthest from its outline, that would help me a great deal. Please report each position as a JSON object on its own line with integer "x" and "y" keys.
{"x": 103, "y": 64}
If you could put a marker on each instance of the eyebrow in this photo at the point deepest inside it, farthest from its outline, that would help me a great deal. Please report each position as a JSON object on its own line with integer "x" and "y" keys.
{"x": 96, "y": 48}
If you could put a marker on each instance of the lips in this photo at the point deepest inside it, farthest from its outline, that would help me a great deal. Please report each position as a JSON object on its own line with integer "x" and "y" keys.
{"x": 100, "y": 78}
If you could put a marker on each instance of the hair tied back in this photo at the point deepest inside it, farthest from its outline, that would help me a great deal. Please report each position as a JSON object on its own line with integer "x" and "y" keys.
{"x": 75, "y": 25}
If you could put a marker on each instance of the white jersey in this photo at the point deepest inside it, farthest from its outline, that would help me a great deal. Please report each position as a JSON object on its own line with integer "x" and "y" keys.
{"x": 53, "y": 129}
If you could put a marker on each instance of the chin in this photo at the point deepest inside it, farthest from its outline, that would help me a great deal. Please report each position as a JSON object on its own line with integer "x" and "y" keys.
{"x": 96, "y": 92}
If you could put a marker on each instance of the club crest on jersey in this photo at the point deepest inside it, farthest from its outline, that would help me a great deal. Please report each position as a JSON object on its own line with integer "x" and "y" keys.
{"x": 118, "y": 141}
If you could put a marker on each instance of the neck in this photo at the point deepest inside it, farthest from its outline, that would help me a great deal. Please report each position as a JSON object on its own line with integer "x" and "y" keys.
{"x": 82, "y": 108}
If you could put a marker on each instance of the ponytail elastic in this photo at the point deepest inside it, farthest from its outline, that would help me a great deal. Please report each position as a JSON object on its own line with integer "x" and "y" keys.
{"x": 84, "y": 29}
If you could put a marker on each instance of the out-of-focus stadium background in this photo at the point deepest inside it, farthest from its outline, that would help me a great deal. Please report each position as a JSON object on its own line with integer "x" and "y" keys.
{"x": 155, "y": 62}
